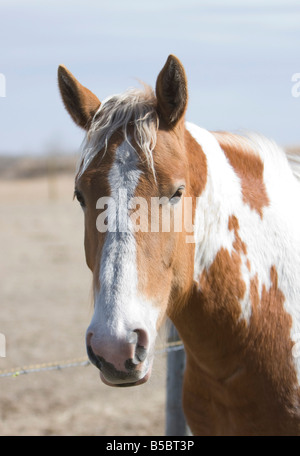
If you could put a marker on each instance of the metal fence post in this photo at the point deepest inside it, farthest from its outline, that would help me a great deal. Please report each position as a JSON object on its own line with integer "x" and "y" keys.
{"x": 175, "y": 420}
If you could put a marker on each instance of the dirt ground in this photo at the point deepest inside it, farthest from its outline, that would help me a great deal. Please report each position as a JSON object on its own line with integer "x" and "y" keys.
{"x": 45, "y": 301}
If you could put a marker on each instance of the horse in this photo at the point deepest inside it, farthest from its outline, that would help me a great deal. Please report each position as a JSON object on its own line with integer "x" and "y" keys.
{"x": 201, "y": 227}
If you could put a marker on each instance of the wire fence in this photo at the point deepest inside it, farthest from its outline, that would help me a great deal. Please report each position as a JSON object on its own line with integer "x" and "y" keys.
{"x": 77, "y": 362}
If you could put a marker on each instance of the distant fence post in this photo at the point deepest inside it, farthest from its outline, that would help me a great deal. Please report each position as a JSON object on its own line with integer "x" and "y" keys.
{"x": 2, "y": 346}
{"x": 175, "y": 420}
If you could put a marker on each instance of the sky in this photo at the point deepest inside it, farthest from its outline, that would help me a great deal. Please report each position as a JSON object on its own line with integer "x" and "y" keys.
{"x": 239, "y": 57}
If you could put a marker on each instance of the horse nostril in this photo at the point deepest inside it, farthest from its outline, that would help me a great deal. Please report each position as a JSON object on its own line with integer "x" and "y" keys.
{"x": 142, "y": 339}
{"x": 139, "y": 339}
{"x": 93, "y": 357}
{"x": 88, "y": 338}
{"x": 140, "y": 353}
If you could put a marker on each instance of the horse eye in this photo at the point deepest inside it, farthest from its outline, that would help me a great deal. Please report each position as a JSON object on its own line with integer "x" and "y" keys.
{"x": 177, "y": 195}
{"x": 79, "y": 198}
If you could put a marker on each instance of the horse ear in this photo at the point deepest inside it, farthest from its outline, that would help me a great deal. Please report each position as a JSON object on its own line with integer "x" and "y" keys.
{"x": 171, "y": 91}
{"x": 80, "y": 102}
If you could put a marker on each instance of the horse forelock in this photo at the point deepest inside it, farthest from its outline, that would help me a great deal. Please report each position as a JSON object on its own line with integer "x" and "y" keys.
{"x": 133, "y": 113}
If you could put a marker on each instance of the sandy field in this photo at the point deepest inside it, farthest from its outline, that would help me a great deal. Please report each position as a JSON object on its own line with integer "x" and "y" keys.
{"x": 46, "y": 306}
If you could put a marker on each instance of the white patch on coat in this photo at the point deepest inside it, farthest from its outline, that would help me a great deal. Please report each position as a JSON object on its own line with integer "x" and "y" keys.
{"x": 271, "y": 240}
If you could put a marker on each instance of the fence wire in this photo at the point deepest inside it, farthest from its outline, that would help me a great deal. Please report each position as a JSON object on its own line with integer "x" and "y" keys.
{"x": 77, "y": 362}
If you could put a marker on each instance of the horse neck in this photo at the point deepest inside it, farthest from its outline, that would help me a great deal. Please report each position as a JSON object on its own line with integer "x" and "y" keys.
{"x": 245, "y": 257}
{"x": 216, "y": 195}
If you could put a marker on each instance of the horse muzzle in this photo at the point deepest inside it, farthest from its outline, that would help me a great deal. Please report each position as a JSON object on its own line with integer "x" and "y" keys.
{"x": 121, "y": 361}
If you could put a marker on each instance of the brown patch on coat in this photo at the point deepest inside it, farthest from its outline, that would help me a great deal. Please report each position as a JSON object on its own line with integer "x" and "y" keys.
{"x": 209, "y": 326}
{"x": 240, "y": 378}
{"x": 249, "y": 168}
{"x": 197, "y": 165}
{"x": 270, "y": 344}
{"x": 238, "y": 244}
{"x": 223, "y": 284}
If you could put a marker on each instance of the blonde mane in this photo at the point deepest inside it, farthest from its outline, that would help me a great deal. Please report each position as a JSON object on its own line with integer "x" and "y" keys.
{"x": 134, "y": 108}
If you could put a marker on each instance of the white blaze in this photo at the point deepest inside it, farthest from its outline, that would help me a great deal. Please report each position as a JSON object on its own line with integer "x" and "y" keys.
{"x": 119, "y": 307}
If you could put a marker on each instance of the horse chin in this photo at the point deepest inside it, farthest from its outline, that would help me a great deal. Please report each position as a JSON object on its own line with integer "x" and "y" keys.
{"x": 127, "y": 382}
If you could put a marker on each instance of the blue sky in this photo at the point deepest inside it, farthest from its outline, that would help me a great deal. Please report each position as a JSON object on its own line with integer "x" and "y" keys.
{"x": 239, "y": 58}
